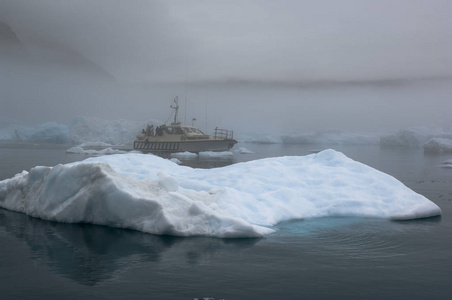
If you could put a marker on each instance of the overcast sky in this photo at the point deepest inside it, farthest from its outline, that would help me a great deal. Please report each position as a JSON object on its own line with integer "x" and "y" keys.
{"x": 269, "y": 42}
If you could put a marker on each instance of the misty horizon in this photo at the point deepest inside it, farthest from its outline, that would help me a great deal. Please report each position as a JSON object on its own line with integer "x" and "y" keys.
{"x": 256, "y": 65}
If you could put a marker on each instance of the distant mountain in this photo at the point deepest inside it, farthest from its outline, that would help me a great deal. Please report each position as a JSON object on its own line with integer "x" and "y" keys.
{"x": 44, "y": 53}
{"x": 7, "y": 35}
{"x": 9, "y": 42}
{"x": 42, "y": 79}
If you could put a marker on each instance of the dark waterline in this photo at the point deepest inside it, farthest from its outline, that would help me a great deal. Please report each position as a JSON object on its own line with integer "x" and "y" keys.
{"x": 325, "y": 258}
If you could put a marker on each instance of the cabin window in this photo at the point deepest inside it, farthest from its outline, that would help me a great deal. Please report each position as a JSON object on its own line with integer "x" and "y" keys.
{"x": 174, "y": 130}
{"x": 198, "y": 131}
{"x": 193, "y": 130}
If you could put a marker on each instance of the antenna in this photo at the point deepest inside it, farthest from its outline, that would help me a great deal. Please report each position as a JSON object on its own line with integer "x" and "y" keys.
{"x": 185, "y": 106}
{"x": 186, "y": 78}
{"x": 176, "y": 109}
{"x": 206, "y": 116}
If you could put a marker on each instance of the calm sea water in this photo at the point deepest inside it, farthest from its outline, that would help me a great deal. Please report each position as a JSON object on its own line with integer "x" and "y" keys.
{"x": 326, "y": 258}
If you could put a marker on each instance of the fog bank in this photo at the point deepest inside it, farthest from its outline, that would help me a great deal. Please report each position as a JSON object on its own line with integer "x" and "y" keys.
{"x": 257, "y": 65}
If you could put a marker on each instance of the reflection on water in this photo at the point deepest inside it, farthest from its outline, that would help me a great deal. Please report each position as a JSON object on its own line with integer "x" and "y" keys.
{"x": 324, "y": 258}
{"x": 355, "y": 238}
{"x": 90, "y": 254}
{"x": 319, "y": 227}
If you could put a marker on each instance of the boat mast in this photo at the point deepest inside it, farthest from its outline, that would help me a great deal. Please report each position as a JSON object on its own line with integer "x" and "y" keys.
{"x": 176, "y": 108}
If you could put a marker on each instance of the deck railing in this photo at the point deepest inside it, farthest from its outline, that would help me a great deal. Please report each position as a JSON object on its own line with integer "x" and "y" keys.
{"x": 223, "y": 134}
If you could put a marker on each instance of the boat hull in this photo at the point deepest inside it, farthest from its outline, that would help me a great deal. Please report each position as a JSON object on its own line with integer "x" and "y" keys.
{"x": 182, "y": 146}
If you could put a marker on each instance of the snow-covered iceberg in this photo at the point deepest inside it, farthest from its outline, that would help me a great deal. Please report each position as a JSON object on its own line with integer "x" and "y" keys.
{"x": 154, "y": 195}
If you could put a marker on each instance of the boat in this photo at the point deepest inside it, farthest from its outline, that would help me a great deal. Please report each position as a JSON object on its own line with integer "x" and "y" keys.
{"x": 176, "y": 137}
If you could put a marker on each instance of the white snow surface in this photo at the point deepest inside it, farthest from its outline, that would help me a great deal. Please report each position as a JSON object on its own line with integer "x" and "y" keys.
{"x": 154, "y": 195}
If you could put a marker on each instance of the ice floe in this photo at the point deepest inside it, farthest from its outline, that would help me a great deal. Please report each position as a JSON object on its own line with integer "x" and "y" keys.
{"x": 447, "y": 164}
{"x": 155, "y": 195}
{"x": 218, "y": 155}
{"x": 184, "y": 155}
{"x": 106, "y": 151}
{"x": 243, "y": 150}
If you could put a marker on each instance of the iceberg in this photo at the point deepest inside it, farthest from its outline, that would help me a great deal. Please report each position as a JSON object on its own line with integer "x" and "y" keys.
{"x": 447, "y": 164}
{"x": 438, "y": 145}
{"x": 154, "y": 195}
{"x": 91, "y": 130}
{"x": 81, "y": 130}
{"x": 331, "y": 137}
{"x": 414, "y": 138}
{"x": 404, "y": 138}
{"x": 47, "y": 133}
{"x": 410, "y": 138}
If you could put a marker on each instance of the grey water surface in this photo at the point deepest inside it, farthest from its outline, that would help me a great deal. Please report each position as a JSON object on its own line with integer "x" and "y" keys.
{"x": 324, "y": 258}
